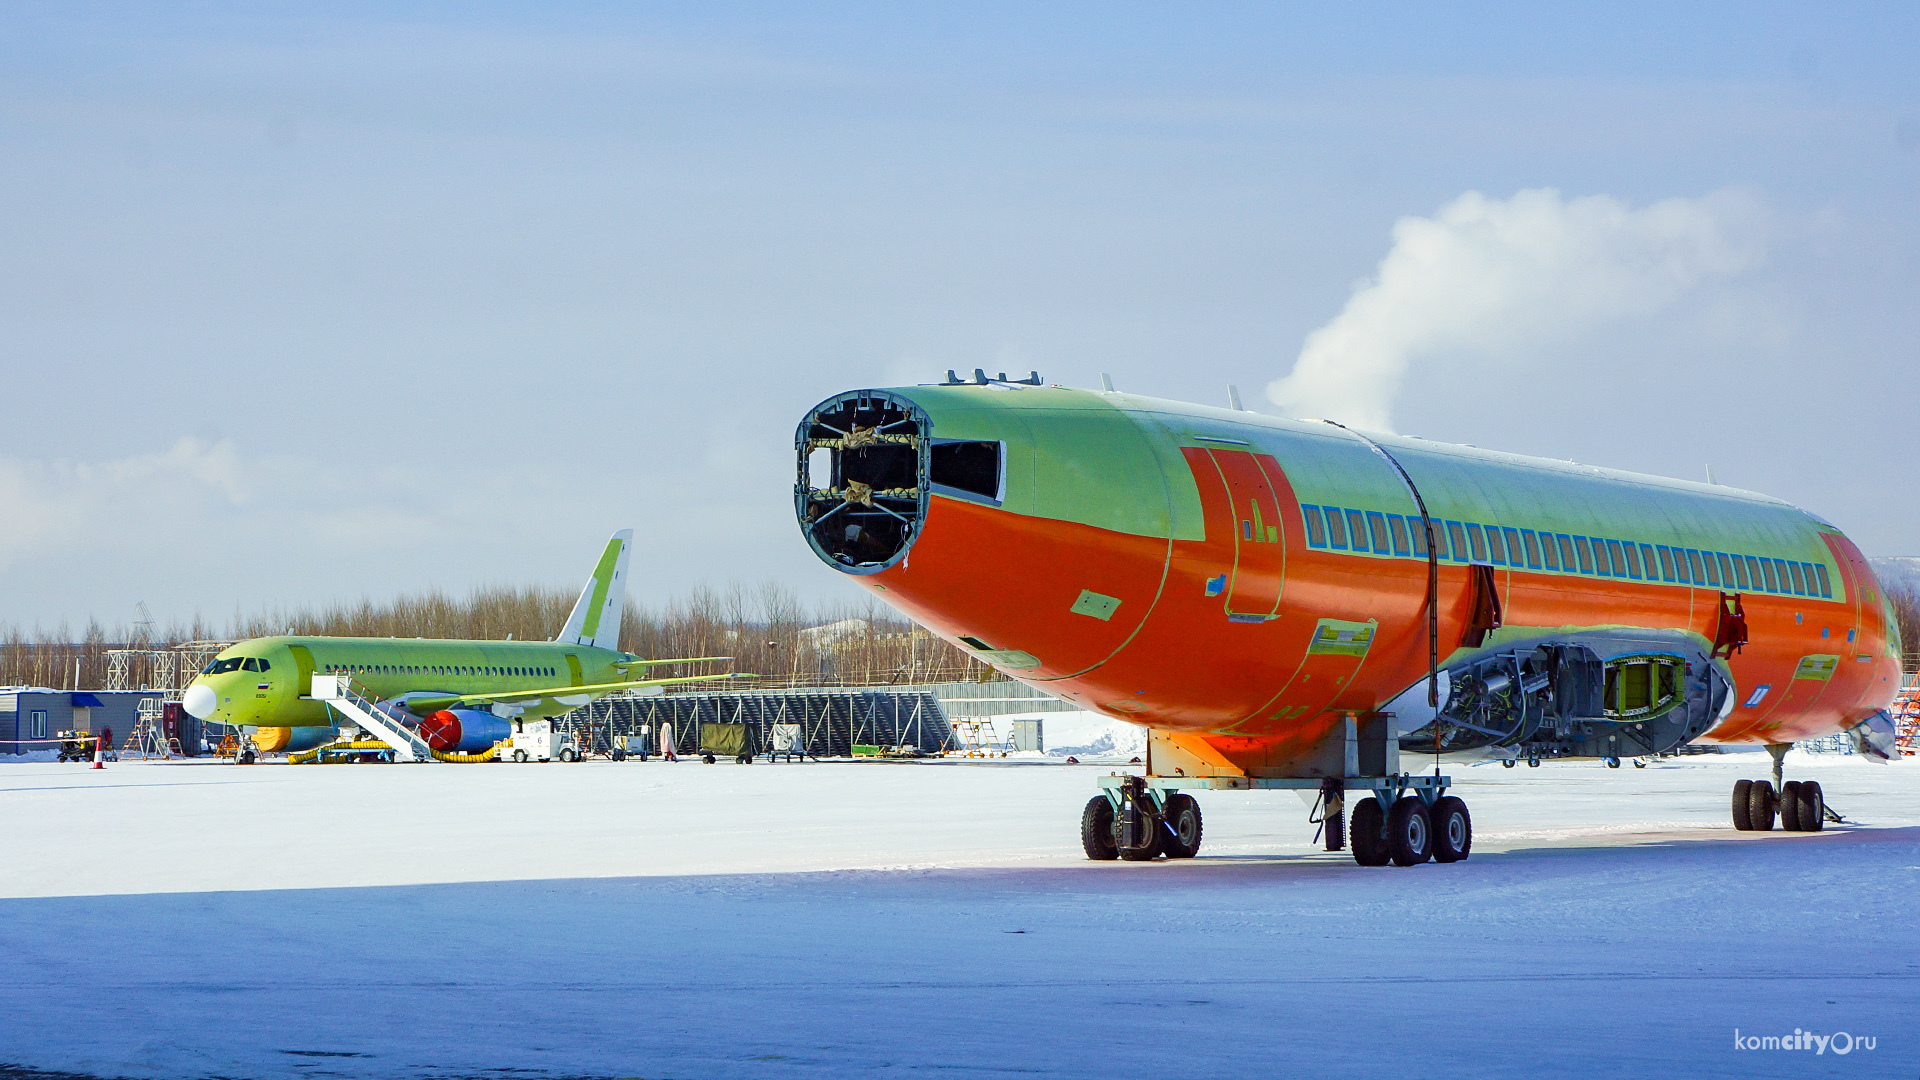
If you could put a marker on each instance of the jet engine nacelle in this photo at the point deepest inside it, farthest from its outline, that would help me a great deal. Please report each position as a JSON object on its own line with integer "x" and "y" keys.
{"x": 463, "y": 731}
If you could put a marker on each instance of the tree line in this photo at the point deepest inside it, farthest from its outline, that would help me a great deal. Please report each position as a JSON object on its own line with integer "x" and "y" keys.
{"x": 767, "y": 630}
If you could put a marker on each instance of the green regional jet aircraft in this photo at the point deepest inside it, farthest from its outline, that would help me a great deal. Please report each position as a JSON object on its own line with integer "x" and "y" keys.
{"x": 267, "y": 683}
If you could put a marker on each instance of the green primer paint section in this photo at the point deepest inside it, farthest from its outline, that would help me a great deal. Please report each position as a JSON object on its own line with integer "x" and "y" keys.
{"x": 1337, "y": 637}
{"x": 602, "y": 581}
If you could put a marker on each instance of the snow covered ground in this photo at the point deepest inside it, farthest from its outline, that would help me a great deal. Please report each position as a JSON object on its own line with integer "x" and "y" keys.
{"x": 827, "y": 920}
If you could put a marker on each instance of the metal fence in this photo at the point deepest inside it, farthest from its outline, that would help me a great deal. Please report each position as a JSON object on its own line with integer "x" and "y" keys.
{"x": 830, "y": 722}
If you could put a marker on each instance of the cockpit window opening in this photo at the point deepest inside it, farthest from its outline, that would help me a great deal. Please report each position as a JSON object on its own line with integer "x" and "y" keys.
{"x": 968, "y": 468}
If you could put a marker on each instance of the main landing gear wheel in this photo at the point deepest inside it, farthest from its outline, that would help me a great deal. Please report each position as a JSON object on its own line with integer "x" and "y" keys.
{"x": 1742, "y": 800}
{"x": 1813, "y": 807}
{"x": 1761, "y": 804}
{"x": 1183, "y": 814}
{"x": 1452, "y": 829}
{"x": 1790, "y": 806}
{"x": 1096, "y": 830}
{"x": 1364, "y": 834}
{"x": 1409, "y": 832}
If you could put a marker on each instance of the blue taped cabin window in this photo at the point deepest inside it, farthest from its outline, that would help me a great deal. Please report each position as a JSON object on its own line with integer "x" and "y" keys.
{"x": 1799, "y": 580}
{"x": 1336, "y": 528}
{"x": 1666, "y": 564}
{"x": 1693, "y": 560}
{"x": 1772, "y": 584}
{"x": 1532, "y": 544}
{"x": 1740, "y": 571}
{"x": 1726, "y": 569}
{"x": 1567, "y": 560}
{"x": 1786, "y": 583}
{"x": 1651, "y": 563}
{"x": 1377, "y": 531}
{"x": 1357, "y": 525}
{"x": 1754, "y": 573}
{"x": 1458, "y": 537}
{"x": 1633, "y": 560}
{"x": 1316, "y": 529}
{"x": 1586, "y": 554}
{"x": 1515, "y": 555}
{"x": 1498, "y": 550}
{"x": 1712, "y": 568}
{"x": 1600, "y": 565}
{"x": 1398, "y": 526}
{"x": 1417, "y": 533}
{"x": 1550, "y": 551}
{"x": 1477, "y": 540}
{"x": 1680, "y": 566}
{"x": 1826, "y": 586}
{"x": 1619, "y": 564}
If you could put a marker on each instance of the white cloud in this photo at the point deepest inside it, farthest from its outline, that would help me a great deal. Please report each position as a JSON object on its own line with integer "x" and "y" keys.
{"x": 1486, "y": 281}
{"x": 47, "y": 505}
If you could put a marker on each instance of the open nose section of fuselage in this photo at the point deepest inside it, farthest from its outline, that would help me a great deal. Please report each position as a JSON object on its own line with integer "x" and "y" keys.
{"x": 862, "y": 486}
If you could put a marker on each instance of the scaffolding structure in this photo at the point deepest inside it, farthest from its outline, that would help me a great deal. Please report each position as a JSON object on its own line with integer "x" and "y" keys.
{"x": 1906, "y": 716}
{"x": 828, "y": 723}
{"x": 169, "y": 671}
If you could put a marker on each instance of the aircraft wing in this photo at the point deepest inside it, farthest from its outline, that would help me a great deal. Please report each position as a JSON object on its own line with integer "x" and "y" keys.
{"x": 572, "y": 697}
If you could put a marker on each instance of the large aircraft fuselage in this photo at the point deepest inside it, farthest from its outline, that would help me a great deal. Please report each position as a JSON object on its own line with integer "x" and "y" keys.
{"x": 1249, "y": 579}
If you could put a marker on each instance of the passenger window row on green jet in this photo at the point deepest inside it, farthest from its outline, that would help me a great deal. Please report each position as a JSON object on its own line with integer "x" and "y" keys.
{"x": 438, "y": 669}
{"x": 1368, "y": 531}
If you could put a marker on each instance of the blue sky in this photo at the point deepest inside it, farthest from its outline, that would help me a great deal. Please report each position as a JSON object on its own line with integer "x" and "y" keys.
{"x": 308, "y": 302}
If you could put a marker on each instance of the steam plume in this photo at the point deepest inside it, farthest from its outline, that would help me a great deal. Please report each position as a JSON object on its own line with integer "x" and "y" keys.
{"x": 1487, "y": 277}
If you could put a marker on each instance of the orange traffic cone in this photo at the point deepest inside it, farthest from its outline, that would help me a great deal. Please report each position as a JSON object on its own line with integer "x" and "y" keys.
{"x": 98, "y": 755}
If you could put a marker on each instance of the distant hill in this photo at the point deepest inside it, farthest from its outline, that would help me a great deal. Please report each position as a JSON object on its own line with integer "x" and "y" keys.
{"x": 1897, "y": 570}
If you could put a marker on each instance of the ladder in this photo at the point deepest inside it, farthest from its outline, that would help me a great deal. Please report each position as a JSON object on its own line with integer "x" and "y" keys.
{"x": 380, "y": 719}
{"x": 147, "y": 738}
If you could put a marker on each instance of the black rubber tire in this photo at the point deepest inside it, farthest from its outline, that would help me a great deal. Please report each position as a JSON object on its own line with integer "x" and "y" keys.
{"x": 1533, "y": 763}
{"x": 708, "y": 758}
{"x": 1761, "y": 806}
{"x": 246, "y": 758}
{"x": 1183, "y": 814}
{"x": 1452, "y": 829}
{"x": 1096, "y": 830}
{"x": 1790, "y": 806}
{"x": 642, "y": 756}
{"x": 520, "y": 756}
{"x": 1366, "y": 837}
{"x": 618, "y": 755}
{"x": 1155, "y": 847}
{"x": 1742, "y": 795}
{"x": 1409, "y": 832}
{"x": 1612, "y": 762}
{"x": 1507, "y": 763}
{"x": 1813, "y": 807}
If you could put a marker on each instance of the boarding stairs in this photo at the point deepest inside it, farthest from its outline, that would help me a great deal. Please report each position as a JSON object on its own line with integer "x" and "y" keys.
{"x": 380, "y": 719}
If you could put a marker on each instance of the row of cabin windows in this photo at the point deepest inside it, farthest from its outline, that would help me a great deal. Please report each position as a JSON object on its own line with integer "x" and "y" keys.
{"x": 438, "y": 669}
{"x": 1390, "y": 534}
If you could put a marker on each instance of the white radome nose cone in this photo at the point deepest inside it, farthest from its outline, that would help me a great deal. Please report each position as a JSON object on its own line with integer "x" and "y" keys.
{"x": 199, "y": 701}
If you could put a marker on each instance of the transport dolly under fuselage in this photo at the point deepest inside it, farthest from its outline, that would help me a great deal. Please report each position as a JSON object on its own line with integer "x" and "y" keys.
{"x": 1408, "y": 820}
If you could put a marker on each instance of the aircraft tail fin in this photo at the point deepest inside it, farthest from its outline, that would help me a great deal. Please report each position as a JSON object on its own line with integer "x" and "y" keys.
{"x": 596, "y": 616}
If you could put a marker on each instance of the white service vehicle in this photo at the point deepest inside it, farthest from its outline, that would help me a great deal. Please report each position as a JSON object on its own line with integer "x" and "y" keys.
{"x": 535, "y": 740}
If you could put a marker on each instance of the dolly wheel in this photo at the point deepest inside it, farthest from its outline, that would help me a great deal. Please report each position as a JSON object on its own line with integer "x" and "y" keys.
{"x": 1742, "y": 801}
{"x": 1409, "y": 832}
{"x": 1364, "y": 833}
{"x": 1452, "y": 829}
{"x": 1096, "y": 830}
{"x": 1183, "y": 814}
